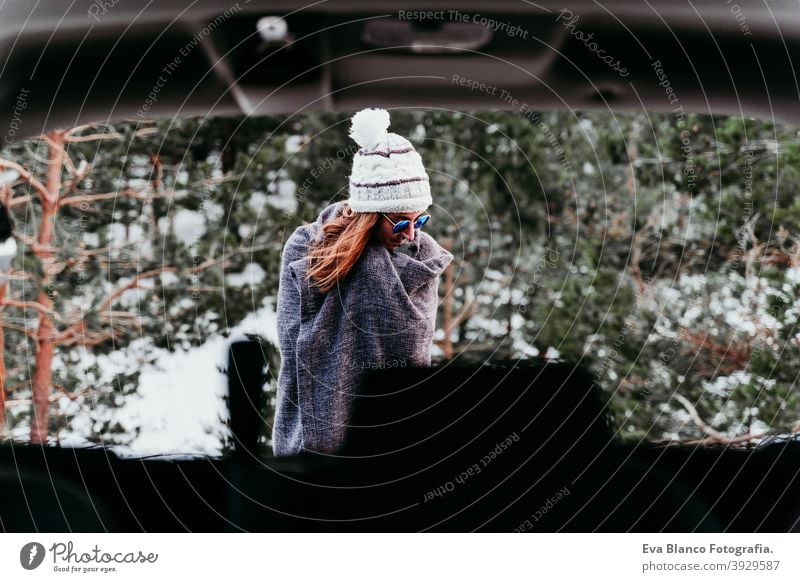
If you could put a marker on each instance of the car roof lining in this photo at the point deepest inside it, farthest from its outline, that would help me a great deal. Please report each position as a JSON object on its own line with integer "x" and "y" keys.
{"x": 67, "y": 64}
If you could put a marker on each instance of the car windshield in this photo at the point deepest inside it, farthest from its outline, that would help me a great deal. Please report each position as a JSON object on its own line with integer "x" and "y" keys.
{"x": 657, "y": 250}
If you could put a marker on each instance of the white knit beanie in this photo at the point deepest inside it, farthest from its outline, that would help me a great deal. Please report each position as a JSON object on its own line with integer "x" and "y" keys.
{"x": 388, "y": 175}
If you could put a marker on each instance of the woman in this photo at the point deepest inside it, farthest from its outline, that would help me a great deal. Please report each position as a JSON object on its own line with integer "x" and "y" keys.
{"x": 358, "y": 290}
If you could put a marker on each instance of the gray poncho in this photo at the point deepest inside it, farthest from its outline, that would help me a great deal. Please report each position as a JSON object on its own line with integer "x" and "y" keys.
{"x": 382, "y": 315}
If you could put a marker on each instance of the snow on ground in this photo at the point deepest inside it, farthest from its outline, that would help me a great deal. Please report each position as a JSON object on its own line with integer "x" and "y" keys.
{"x": 179, "y": 405}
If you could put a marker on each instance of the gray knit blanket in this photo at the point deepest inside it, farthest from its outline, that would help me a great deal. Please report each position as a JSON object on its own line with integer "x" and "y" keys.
{"x": 382, "y": 315}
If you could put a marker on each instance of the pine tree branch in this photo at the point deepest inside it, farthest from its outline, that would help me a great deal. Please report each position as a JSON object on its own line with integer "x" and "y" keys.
{"x": 27, "y": 331}
{"x": 87, "y": 339}
{"x": 67, "y": 160}
{"x": 724, "y": 440}
{"x": 26, "y": 177}
{"x": 133, "y": 194}
{"x": 78, "y": 332}
{"x": 31, "y": 305}
{"x": 699, "y": 422}
{"x": 211, "y": 262}
{"x": 70, "y": 137}
{"x": 133, "y": 284}
{"x": 19, "y": 201}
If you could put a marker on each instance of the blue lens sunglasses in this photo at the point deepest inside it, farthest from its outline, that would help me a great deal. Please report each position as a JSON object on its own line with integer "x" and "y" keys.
{"x": 398, "y": 227}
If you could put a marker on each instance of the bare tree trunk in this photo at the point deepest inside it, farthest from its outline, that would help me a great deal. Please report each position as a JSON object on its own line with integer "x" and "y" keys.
{"x": 43, "y": 375}
{"x": 5, "y": 197}
{"x": 46, "y": 335}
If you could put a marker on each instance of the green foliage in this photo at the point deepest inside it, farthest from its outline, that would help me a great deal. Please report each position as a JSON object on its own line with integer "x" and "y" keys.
{"x": 650, "y": 248}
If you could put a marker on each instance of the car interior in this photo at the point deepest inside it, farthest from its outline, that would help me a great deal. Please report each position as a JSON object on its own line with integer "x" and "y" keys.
{"x": 463, "y": 447}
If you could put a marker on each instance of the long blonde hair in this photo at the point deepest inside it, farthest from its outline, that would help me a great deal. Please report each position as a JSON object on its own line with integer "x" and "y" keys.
{"x": 341, "y": 245}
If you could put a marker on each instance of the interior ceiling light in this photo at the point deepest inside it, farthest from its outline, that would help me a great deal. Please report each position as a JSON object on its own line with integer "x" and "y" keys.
{"x": 405, "y": 36}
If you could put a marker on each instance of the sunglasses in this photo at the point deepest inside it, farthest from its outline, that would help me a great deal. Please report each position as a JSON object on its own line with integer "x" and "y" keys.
{"x": 398, "y": 227}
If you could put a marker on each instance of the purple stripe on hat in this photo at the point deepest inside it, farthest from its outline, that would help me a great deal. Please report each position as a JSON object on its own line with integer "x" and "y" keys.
{"x": 384, "y": 154}
{"x": 390, "y": 183}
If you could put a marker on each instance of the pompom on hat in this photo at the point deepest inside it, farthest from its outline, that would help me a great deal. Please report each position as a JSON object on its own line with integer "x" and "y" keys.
{"x": 388, "y": 175}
